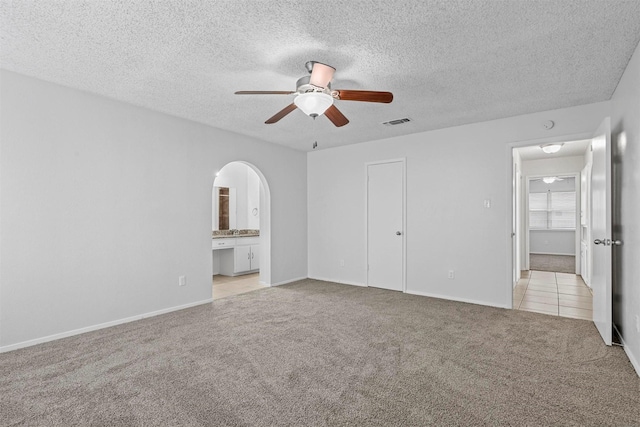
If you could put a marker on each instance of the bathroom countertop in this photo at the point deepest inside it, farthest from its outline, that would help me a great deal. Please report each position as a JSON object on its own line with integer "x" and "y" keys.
{"x": 226, "y": 234}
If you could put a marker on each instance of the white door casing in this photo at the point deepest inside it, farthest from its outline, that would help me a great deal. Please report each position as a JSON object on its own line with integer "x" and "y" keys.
{"x": 601, "y": 230}
{"x": 385, "y": 225}
{"x": 585, "y": 223}
{"x": 518, "y": 224}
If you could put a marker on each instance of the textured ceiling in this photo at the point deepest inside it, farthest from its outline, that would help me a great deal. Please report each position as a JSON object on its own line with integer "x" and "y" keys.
{"x": 447, "y": 62}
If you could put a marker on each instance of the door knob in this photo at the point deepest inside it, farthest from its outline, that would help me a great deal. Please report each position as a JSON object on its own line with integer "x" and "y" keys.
{"x": 398, "y": 233}
{"x": 608, "y": 242}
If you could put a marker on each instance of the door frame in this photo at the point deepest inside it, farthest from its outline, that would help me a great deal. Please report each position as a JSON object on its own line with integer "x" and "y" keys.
{"x": 265, "y": 220}
{"x": 403, "y": 162}
{"x": 525, "y": 211}
{"x": 509, "y": 173}
{"x": 516, "y": 231}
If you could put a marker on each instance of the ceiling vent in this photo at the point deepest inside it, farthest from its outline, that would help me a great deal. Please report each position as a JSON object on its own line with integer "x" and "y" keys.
{"x": 396, "y": 122}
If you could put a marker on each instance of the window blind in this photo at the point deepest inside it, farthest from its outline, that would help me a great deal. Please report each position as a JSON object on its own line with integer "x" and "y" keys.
{"x": 552, "y": 210}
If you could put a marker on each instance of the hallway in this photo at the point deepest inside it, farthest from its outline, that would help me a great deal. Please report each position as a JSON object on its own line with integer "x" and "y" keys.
{"x": 558, "y": 294}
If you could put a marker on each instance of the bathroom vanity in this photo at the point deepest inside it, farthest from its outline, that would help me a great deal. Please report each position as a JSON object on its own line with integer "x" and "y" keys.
{"x": 236, "y": 255}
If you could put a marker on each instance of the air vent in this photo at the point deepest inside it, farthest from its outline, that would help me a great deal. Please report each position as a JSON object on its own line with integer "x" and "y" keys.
{"x": 396, "y": 122}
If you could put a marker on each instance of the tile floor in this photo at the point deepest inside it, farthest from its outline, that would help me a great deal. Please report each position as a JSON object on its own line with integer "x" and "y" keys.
{"x": 224, "y": 286}
{"x": 558, "y": 294}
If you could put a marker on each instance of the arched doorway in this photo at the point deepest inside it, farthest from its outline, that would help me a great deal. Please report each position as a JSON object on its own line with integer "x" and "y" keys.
{"x": 244, "y": 188}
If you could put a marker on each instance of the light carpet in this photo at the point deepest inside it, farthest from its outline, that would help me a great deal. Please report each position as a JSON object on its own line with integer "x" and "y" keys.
{"x": 555, "y": 263}
{"x": 314, "y": 353}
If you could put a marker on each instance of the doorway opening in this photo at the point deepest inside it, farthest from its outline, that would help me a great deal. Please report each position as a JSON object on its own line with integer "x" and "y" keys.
{"x": 551, "y": 230}
{"x": 241, "y": 230}
{"x": 552, "y": 234}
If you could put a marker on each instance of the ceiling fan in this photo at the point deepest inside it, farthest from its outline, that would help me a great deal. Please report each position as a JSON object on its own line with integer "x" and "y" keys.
{"x": 314, "y": 95}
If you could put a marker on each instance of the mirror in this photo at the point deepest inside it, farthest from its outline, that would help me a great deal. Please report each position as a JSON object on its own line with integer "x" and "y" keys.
{"x": 225, "y": 214}
{"x": 236, "y": 198}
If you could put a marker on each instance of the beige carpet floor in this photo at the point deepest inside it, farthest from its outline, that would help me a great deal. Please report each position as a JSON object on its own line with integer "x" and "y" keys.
{"x": 555, "y": 263}
{"x": 321, "y": 354}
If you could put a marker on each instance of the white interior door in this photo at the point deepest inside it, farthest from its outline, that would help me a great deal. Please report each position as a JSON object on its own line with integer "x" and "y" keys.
{"x": 601, "y": 230}
{"x": 385, "y": 225}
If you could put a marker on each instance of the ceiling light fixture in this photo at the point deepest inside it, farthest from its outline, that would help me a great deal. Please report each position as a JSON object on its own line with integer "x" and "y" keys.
{"x": 313, "y": 104}
{"x": 549, "y": 179}
{"x": 552, "y": 148}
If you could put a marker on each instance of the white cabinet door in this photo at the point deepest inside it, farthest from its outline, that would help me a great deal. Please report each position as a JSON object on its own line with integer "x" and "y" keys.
{"x": 255, "y": 257}
{"x": 242, "y": 259}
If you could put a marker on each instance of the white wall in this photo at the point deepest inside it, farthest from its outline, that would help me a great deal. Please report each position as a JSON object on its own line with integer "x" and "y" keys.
{"x": 553, "y": 242}
{"x": 104, "y": 204}
{"x": 555, "y": 166}
{"x": 625, "y": 122}
{"x": 449, "y": 174}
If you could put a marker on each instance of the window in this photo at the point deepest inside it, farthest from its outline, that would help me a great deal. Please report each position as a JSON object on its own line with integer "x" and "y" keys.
{"x": 552, "y": 210}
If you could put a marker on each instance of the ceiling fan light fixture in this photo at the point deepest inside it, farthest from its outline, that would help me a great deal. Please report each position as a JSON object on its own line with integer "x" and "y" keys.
{"x": 314, "y": 96}
{"x": 313, "y": 103}
{"x": 321, "y": 74}
{"x": 551, "y": 148}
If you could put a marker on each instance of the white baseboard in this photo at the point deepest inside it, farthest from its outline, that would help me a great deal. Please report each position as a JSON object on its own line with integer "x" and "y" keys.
{"x": 450, "y": 298}
{"x": 419, "y": 293}
{"x": 342, "y": 282}
{"x": 627, "y": 350}
{"x": 549, "y": 253}
{"x": 54, "y": 337}
{"x": 288, "y": 281}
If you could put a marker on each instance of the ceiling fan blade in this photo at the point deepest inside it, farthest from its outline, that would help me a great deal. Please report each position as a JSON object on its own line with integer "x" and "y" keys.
{"x": 321, "y": 74}
{"x": 336, "y": 117}
{"x": 363, "y": 95}
{"x": 264, "y": 92}
{"x": 280, "y": 114}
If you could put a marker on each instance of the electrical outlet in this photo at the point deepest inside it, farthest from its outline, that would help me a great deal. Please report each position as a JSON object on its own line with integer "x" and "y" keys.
{"x": 341, "y": 263}
{"x": 182, "y": 281}
{"x": 451, "y": 274}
